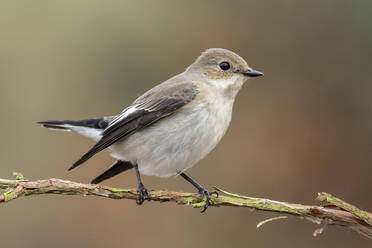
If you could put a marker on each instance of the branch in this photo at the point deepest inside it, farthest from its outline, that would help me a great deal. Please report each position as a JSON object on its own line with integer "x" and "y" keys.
{"x": 333, "y": 211}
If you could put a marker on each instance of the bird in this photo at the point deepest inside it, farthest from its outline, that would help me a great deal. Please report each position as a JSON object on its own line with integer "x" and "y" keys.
{"x": 172, "y": 126}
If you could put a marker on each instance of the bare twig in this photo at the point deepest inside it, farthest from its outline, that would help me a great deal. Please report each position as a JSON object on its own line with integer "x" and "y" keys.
{"x": 333, "y": 211}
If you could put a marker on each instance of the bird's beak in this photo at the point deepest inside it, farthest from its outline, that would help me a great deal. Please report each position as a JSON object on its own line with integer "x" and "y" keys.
{"x": 252, "y": 73}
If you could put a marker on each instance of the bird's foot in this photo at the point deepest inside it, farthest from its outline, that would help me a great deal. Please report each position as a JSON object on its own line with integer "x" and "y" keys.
{"x": 143, "y": 194}
{"x": 207, "y": 194}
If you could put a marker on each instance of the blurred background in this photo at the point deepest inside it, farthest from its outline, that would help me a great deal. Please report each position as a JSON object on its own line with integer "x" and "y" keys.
{"x": 305, "y": 127}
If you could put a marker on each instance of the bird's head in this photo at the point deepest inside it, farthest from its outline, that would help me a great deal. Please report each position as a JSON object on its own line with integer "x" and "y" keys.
{"x": 221, "y": 65}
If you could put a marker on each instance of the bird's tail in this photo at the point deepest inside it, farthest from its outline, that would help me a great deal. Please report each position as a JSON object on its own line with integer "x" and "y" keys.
{"x": 91, "y": 128}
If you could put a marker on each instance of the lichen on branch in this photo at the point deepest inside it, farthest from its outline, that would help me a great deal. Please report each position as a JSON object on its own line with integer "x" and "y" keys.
{"x": 332, "y": 211}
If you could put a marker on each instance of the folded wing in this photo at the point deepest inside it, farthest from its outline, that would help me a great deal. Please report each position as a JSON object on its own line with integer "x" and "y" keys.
{"x": 154, "y": 105}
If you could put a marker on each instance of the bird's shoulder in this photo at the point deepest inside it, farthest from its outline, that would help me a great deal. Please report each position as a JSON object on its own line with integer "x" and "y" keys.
{"x": 179, "y": 87}
{"x": 162, "y": 99}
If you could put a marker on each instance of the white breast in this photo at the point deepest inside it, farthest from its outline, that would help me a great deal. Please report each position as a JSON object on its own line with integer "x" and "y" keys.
{"x": 179, "y": 141}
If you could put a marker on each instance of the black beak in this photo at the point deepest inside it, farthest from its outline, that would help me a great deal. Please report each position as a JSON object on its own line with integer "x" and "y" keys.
{"x": 252, "y": 73}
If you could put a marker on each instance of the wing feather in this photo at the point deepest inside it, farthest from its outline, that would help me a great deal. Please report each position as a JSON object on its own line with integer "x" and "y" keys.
{"x": 146, "y": 110}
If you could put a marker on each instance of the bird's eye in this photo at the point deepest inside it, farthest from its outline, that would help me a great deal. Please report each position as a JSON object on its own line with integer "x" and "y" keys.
{"x": 225, "y": 65}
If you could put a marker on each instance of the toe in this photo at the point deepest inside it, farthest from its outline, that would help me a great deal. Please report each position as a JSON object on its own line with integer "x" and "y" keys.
{"x": 147, "y": 195}
{"x": 208, "y": 198}
{"x": 214, "y": 192}
{"x": 140, "y": 200}
{"x": 202, "y": 194}
{"x": 207, "y": 194}
{"x": 143, "y": 195}
{"x": 205, "y": 207}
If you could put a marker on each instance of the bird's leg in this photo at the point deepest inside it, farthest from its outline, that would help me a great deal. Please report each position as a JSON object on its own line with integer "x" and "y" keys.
{"x": 202, "y": 191}
{"x": 143, "y": 194}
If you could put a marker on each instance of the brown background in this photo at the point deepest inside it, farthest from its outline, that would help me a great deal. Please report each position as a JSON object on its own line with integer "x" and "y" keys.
{"x": 306, "y": 126}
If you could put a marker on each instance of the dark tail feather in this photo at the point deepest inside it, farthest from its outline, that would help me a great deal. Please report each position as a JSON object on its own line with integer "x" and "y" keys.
{"x": 54, "y": 124}
{"x": 115, "y": 169}
{"x": 97, "y": 123}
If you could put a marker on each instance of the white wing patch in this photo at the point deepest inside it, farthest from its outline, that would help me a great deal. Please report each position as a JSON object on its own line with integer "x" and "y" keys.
{"x": 123, "y": 115}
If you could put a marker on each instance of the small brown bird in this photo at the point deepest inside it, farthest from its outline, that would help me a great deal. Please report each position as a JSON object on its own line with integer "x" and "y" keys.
{"x": 171, "y": 127}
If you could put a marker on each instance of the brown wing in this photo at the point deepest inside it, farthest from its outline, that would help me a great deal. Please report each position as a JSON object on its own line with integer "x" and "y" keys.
{"x": 146, "y": 110}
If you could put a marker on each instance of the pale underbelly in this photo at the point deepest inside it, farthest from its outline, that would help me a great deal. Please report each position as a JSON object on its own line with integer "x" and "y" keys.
{"x": 175, "y": 143}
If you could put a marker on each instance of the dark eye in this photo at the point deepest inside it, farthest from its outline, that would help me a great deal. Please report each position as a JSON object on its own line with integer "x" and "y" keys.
{"x": 225, "y": 65}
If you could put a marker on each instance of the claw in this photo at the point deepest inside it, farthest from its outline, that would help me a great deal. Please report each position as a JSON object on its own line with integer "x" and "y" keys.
{"x": 214, "y": 192}
{"x": 203, "y": 192}
{"x": 143, "y": 195}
